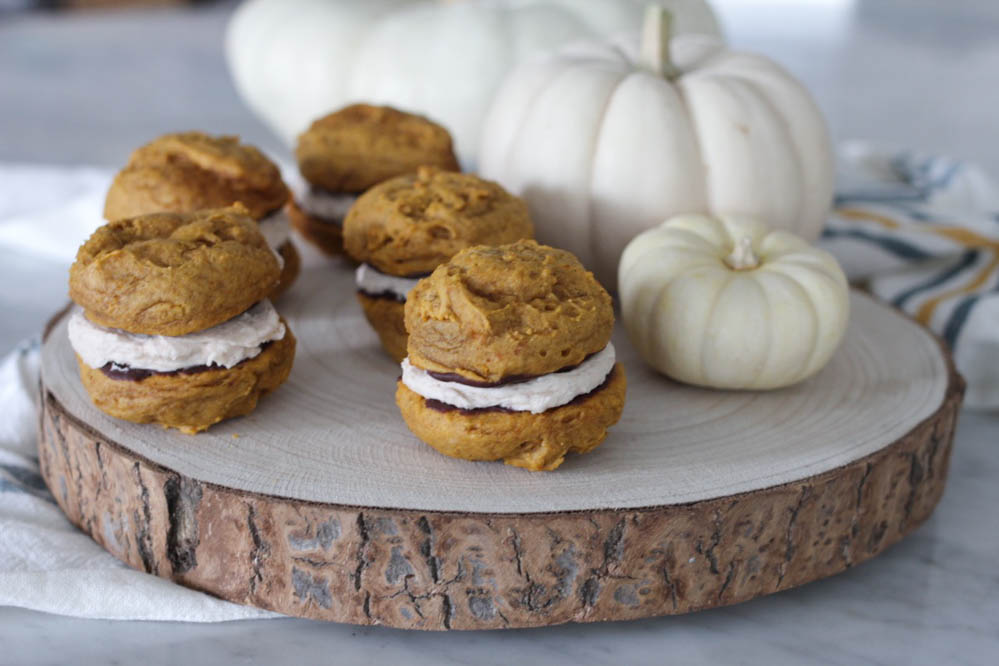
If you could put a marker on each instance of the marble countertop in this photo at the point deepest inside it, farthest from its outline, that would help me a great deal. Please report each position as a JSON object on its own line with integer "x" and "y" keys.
{"x": 917, "y": 73}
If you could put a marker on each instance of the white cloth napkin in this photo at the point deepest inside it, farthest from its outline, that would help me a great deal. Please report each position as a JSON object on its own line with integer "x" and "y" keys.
{"x": 922, "y": 232}
{"x": 48, "y": 211}
{"x": 46, "y": 564}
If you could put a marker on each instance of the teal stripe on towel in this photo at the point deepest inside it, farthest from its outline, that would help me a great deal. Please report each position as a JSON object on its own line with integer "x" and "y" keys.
{"x": 959, "y": 317}
{"x": 967, "y": 259}
{"x": 25, "y": 476}
{"x": 893, "y": 245}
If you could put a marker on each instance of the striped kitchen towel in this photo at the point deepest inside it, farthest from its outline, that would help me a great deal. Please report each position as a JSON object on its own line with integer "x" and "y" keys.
{"x": 922, "y": 233}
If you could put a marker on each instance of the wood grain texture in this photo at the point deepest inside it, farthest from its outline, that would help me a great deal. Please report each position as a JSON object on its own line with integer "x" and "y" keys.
{"x": 454, "y": 570}
{"x": 326, "y": 507}
{"x": 332, "y": 433}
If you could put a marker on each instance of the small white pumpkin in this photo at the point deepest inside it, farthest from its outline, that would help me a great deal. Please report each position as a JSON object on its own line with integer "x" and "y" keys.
{"x": 295, "y": 60}
{"x": 728, "y": 303}
{"x": 603, "y": 141}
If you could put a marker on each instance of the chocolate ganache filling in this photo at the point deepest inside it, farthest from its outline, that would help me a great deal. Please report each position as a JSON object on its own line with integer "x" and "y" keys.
{"x": 383, "y": 295}
{"x": 121, "y": 372}
{"x": 443, "y": 407}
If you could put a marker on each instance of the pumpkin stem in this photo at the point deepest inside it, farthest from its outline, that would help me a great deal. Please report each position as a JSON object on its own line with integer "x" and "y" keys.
{"x": 656, "y": 28}
{"x": 742, "y": 257}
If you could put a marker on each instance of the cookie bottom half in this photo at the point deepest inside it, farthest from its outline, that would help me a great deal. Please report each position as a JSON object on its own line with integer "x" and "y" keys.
{"x": 292, "y": 267}
{"x": 387, "y": 317}
{"x": 327, "y": 236}
{"x": 192, "y": 402}
{"x": 538, "y": 442}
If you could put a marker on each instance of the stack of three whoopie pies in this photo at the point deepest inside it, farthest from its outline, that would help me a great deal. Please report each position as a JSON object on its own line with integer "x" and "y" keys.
{"x": 173, "y": 324}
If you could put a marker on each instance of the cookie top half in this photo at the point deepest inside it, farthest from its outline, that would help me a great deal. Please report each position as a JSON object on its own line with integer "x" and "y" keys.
{"x": 411, "y": 224}
{"x": 518, "y": 310}
{"x": 188, "y": 171}
{"x": 359, "y": 146}
{"x": 173, "y": 273}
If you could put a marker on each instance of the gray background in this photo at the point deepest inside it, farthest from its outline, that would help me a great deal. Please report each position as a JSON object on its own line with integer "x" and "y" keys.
{"x": 87, "y": 88}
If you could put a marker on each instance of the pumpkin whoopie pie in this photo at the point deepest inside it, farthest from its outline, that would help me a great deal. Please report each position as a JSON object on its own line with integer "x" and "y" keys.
{"x": 174, "y": 326}
{"x": 510, "y": 357}
{"x": 189, "y": 171}
{"x": 405, "y": 227}
{"x": 349, "y": 151}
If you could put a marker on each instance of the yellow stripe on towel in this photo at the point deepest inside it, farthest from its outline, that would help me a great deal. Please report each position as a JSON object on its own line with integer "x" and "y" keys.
{"x": 959, "y": 235}
{"x": 871, "y": 216}
{"x": 925, "y": 312}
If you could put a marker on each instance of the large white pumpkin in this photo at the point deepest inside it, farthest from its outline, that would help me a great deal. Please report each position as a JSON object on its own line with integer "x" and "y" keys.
{"x": 606, "y": 140}
{"x": 728, "y": 303}
{"x": 295, "y": 60}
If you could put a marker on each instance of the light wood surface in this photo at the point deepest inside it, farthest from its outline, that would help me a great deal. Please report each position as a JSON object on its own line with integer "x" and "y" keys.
{"x": 326, "y": 507}
{"x": 333, "y": 434}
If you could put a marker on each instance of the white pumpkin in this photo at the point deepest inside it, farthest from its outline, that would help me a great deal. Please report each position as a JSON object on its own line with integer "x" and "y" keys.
{"x": 604, "y": 142}
{"x": 295, "y": 60}
{"x": 728, "y": 303}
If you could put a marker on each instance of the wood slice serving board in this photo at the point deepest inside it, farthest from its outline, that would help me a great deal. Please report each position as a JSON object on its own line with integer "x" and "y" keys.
{"x": 322, "y": 504}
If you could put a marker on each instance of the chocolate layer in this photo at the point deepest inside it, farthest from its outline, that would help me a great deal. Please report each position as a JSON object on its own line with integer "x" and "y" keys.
{"x": 444, "y": 407}
{"x": 324, "y": 192}
{"x": 506, "y": 381}
{"x": 411, "y": 276}
{"x": 336, "y": 221}
{"x": 387, "y": 295}
{"x": 127, "y": 373}
{"x": 272, "y": 212}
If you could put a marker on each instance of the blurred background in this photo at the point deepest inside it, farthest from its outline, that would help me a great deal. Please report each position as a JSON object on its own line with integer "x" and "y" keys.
{"x": 85, "y": 82}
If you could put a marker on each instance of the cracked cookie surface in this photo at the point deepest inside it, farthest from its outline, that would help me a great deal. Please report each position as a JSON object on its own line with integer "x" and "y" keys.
{"x": 361, "y": 145}
{"x": 411, "y": 224}
{"x": 189, "y": 171}
{"x": 173, "y": 273}
{"x": 522, "y": 309}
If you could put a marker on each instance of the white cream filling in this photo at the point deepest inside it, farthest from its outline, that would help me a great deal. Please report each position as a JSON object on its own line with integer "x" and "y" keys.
{"x": 536, "y": 395}
{"x": 226, "y": 344}
{"x": 327, "y": 206}
{"x": 276, "y": 229}
{"x": 372, "y": 281}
